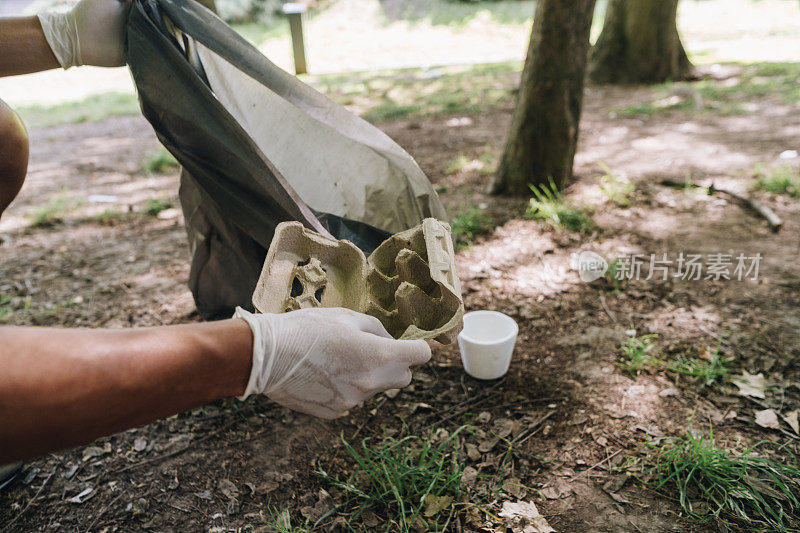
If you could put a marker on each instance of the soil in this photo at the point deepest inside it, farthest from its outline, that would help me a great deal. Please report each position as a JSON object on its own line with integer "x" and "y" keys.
{"x": 578, "y": 418}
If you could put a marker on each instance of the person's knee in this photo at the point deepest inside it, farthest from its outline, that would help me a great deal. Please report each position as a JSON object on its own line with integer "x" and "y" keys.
{"x": 13, "y": 154}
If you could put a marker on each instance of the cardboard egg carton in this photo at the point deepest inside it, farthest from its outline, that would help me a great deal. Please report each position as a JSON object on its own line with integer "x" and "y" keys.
{"x": 409, "y": 282}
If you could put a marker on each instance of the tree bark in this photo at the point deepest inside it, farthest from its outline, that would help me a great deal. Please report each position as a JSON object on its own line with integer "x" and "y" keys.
{"x": 640, "y": 44}
{"x": 544, "y": 128}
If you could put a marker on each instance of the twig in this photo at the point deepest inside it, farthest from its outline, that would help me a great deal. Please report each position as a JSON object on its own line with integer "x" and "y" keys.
{"x": 369, "y": 417}
{"x": 606, "y": 309}
{"x": 576, "y": 476}
{"x": 105, "y": 509}
{"x": 35, "y": 496}
{"x": 532, "y": 430}
{"x": 773, "y": 220}
{"x": 175, "y": 452}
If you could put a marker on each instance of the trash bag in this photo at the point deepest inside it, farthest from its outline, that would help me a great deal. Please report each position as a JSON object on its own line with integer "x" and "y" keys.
{"x": 259, "y": 147}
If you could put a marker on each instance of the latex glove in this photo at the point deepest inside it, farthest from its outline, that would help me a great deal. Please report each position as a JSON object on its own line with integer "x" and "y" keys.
{"x": 91, "y": 33}
{"x": 324, "y": 361}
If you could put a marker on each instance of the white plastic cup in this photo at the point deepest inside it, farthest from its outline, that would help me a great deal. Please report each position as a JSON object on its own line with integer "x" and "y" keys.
{"x": 486, "y": 343}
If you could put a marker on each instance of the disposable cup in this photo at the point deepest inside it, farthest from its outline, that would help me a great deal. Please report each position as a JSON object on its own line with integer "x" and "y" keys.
{"x": 486, "y": 343}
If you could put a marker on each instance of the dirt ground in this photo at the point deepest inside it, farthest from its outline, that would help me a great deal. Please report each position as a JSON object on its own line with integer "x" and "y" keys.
{"x": 577, "y": 417}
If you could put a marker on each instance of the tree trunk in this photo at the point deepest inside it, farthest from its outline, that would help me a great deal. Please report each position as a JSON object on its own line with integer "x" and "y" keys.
{"x": 639, "y": 44}
{"x": 544, "y": 128}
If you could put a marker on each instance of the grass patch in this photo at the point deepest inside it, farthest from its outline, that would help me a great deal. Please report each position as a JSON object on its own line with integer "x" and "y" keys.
{"x": 777, "y": 81}
{"x": 154, "y": 206}
{"x": 637, "y": 353}
{"x": 781, "y": 180}
{"x": 281, "y": 522}
{"x": 469, "y": 225}
{"x": 159, "y": 162}
{"x": 6, "y": 308}
{"x": 748, "y": 489}
{"x": 617, "y": 188}
{"x": 550, "y": 205}
{"x": 418, "y": 93}
{"x": 711, "y": 368}
{"x": 409, "y": 484}
{"x": 53, "y": 211}
{"x": 93, "y": 108}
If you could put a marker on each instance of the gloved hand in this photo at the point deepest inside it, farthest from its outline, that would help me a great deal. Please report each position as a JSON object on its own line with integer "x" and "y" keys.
{"x": 92, "y": 33}
{"x": 324, "y": 361}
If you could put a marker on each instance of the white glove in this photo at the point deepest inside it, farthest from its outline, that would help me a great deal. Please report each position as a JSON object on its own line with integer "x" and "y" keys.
{"x": 91, "y": 33}
{"x": 324, "y": 361}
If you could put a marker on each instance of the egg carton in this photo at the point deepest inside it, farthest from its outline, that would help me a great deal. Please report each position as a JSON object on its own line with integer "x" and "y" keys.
{"x": 409, "y": 282}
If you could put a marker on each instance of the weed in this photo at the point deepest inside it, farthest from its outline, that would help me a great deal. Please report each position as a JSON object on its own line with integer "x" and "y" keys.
{"x": 457, "y": 164}
{"x": 469, "y": 225}
{"x": 6, "y": 308}
{"x": 159, "y": 162}
{"x": 614, "y": 275}
{"x": 155, "y": 205}
{"x": 783, "y": 180}
{"x": 713, "y": 483}
{"x": 617, "y": 188}
{"x": 410, "y": 483}
{"x": 636, "y": 353}
{"x": 53, "y": 211}
{"x": 708, "y": 371}
{"x": 281, "y": 522}
{"x": 550, "y": 205}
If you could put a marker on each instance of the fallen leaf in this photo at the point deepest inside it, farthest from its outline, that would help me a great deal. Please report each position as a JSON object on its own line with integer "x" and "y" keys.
{"x": 139, "y": 444}
{"x": 791, "y": 419}
{"x": 514, "y": 487}
{"x": 94, "y": 451}
{"x": 435, "y": 504}
{"x": 487, "y": 445}
{"x": 472, "y": 452}
{"x": 227, "y": 488}
{"x": 524, "y": 517}
{"x": 81, "y": 496}
{"x": 203, "y": 494}
{"x": 502, "y": 427}
{"x": 751, "y": 384}
{"x": 483, "y": 417}
{"x": 671, "y": 391}
{"x": 469, "y": 475}
{"x": 767, "y": 419}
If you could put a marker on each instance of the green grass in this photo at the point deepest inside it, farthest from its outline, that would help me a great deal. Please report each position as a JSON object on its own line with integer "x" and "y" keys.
{"x": 53, "y": 212}
{"x": 550, "y": 205}
{"x": 154, "y": 206}
{"x": 781, "y": 180}
{"x": 418, "y": 93}
{"x": 707, "y": 372}
{"x": 409, "y": 483}
{"x": 469, "y": 225}
{"x": 748, "y": 490}
{"x": 90, "y": 109}
{"x": 637, "y": 353}
{"x": 6, "y": 308}
{"x": 617, "y": 188}
{"x": 776, "y": 81}
{"x": 281, "y": 522}
{"x": 612, "y": 275}
{"x": 159, "y": 162}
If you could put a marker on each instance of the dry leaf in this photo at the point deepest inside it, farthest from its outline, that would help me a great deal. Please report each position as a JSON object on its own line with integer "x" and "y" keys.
{"x": 524, "y": 517}
{"x": 435, "y": 504}
{"x": 791, "y": 419}
{"x": 767, "y": 419}
{"x": 751, "y": 384}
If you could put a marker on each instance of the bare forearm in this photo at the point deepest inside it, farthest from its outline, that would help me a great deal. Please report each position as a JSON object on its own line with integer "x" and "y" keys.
{"x": 23, "y": 47}
{"x": 60, "y": 388}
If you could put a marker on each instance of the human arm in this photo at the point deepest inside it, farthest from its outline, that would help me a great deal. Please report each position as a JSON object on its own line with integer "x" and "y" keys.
{"x": 23, "y": 47}
{"x": 60, "y": 388}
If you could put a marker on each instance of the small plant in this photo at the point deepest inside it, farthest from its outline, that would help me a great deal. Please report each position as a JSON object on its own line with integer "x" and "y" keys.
{"x": 636, "y": 353}
{"x": 712, "y": 483}
{"x": 53, "y": 211}
{"x": 617, "y": 188}
{"x": 783, "y": 180}
{"x": 159, "y": 162}
{"x": 154, "y": 206}
{"x": 612, "y": 275}
{"x": 281, "y": 521}
{"x": 457, "y": 164}
{"x": 468, "y": 225}
{"x": 549, "y": 204}
{"x": 707, "y": 371}
{"x": 109, "y": 216}
{"x": 410, "y": 483}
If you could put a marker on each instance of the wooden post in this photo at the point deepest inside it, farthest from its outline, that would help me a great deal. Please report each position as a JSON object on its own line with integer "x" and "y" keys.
{"x": 295, "y": 13}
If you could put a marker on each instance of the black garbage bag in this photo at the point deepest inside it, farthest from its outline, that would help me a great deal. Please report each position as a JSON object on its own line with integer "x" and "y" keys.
{"x": 259, "y": 147}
